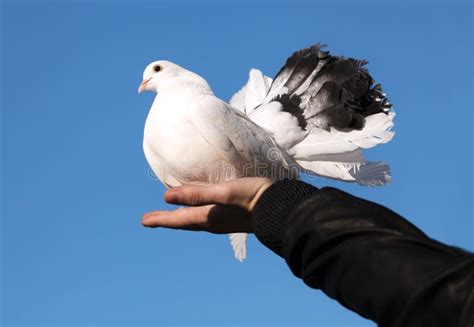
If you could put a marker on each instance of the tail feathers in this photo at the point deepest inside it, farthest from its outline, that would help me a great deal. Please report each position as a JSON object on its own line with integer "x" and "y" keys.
{"x": 351, "y": 156}
{"x": 331, "y": 91}
{"x": 253, "y": 93}
{"x": 239, "y": 246}
{"x": 377, "y": 130}
{"x": 323, "y": 110}
{"x": 298, "y": 67}
{"x": 366, "y": 173}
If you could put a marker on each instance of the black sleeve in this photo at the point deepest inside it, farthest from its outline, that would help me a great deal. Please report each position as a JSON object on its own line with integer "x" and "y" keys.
{"x": 367, "y": 257}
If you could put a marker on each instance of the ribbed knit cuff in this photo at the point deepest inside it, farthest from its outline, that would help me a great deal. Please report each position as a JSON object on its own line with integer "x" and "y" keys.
{"x": 272, "y": 210}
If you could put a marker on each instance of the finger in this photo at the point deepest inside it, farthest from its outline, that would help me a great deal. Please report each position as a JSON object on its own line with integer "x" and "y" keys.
{"x": 242, "y": 192}
{"x": 201, "y": 195}
{"x": 194, "y": 218}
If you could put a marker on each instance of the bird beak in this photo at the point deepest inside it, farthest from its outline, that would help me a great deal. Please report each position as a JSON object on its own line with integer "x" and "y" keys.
{"x": 143, "y": 85}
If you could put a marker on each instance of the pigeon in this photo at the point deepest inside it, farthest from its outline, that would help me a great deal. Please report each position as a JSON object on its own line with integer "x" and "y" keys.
{"x": 315, "y": 117}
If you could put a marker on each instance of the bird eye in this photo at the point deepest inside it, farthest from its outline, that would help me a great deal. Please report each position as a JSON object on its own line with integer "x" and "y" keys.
{"x": 157, "y": 68}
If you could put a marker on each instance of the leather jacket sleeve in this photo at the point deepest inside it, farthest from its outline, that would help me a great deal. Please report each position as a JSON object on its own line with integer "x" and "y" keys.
{"x": 367, "y": 257}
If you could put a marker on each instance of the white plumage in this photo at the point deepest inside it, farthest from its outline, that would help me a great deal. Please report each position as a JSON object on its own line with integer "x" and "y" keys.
{"x": 193, "y": 137}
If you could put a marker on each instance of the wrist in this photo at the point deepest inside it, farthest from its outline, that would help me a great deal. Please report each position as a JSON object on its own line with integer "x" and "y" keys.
{"x": 273, "y": 209}
{"x": 262, "y": 188}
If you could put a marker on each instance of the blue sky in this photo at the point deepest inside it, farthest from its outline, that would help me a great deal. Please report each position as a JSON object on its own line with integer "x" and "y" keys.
{"x": 75, "y": 182}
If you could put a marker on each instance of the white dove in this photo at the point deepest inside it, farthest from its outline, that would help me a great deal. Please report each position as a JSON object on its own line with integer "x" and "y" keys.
{"x": 316, "y": 116}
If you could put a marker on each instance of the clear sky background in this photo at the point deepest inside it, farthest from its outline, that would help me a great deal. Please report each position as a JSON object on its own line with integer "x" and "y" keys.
{"x": 75, "y": 182}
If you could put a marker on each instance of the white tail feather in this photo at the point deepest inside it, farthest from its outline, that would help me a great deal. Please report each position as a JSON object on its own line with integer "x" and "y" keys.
{"x": 238, "y": 242}
{"x": 363, "y": 173}
{"x": 376, "y": 131}
{"x": 252, "y": 94}
{"x": 349, "y": 157}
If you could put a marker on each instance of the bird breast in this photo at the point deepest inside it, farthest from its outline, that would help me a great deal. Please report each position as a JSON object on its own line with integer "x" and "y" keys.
{"x": 175, "y": 148}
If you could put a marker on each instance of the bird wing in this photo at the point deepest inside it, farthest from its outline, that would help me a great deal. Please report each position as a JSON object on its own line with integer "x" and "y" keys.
{"x": 243, "y": 144}
{"x": 240, "y": 141}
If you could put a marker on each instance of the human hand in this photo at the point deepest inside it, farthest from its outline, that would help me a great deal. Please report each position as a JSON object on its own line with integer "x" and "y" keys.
{"x": 220, "y": 208}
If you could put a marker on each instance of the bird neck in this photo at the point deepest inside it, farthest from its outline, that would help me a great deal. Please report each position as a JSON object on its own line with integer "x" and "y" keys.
{"x": 176, "y": 95}
{"x": 190, "y": 84}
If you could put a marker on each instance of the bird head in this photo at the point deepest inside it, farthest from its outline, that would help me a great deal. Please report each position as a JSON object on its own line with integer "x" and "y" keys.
{"x": 161, "y": 74}
{"x": 156, "y": 73}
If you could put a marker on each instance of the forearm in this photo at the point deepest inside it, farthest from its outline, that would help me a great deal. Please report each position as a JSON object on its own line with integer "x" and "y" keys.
{"x": 367, "y": 257}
